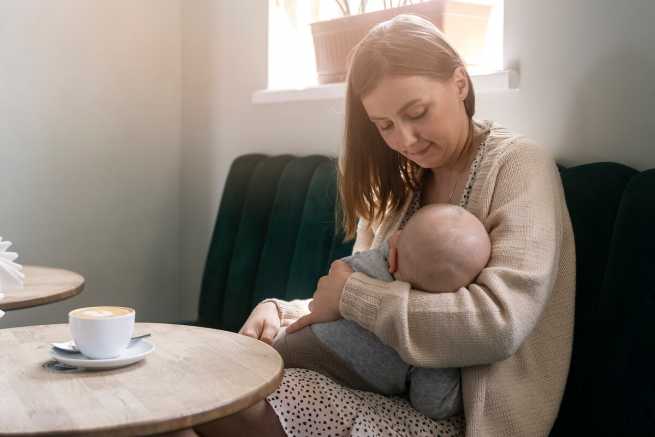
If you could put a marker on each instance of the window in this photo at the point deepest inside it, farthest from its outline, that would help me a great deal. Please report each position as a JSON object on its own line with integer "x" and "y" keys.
{"x": 474, "y": 27}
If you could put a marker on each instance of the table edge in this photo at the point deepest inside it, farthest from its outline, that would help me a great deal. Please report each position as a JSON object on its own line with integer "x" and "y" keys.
{"x": 174, "y": 424}
{"x": 43, "y": 300}
{"x": 37, "y": 301}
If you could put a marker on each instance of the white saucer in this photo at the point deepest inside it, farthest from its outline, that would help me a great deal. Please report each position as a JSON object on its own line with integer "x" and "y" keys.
{"x": 136, "y": 352}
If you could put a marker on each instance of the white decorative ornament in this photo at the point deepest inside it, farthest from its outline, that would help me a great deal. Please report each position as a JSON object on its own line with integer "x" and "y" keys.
{"x": 11, "y": 273}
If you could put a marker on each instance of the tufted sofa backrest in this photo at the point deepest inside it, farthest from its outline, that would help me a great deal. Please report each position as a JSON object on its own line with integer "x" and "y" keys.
{"x": 275, "y": 236}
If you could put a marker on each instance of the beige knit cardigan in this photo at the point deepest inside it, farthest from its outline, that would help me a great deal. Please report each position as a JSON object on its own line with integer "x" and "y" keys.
{"x": 511, "y": 330}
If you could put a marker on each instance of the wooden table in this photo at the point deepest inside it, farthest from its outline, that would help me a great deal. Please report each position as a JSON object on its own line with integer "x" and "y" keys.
{"x": 194, "y": 375}
{"x": 42, "y": 285}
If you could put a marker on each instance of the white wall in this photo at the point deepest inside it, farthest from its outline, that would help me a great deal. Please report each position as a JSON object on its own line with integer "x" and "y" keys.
{"x": 90, "y": 100}
{"x": 586, "y": 71}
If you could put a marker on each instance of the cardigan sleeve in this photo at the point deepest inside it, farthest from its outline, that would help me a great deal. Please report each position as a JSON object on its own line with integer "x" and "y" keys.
{"x": 289, "y": 311}
{"x": 488, "y": 320}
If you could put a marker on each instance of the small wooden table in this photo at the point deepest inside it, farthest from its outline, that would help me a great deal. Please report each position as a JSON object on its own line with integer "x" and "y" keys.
{"x": 42, "y": 285}
{"x": 195, "y": 375}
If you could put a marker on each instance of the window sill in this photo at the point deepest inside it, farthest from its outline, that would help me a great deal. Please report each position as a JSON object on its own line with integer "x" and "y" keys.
{"x": 483, "y": 83}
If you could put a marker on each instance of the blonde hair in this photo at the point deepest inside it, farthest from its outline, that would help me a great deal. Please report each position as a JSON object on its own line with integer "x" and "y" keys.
{"x": 374, "y": 180}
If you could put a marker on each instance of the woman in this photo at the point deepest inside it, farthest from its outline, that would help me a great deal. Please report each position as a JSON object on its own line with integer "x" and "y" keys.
{"x": 411, "y": 140}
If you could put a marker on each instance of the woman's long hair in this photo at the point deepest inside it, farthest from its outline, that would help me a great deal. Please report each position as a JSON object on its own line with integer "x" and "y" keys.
{"x": 373, "y": 179}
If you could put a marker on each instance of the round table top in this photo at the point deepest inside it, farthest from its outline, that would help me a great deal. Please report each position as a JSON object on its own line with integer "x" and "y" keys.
{"x": 195, "y": 375}
{"x": 42, "y": 285}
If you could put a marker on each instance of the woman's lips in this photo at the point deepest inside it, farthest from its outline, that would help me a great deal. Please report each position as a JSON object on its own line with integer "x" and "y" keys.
{"x": 421, "y": 151}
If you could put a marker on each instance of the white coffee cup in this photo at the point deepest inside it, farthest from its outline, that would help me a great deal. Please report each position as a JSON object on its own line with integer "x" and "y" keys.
{"x": 102, "y": 332}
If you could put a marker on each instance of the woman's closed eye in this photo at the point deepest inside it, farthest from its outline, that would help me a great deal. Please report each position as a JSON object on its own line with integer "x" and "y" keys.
{"x": 415, "y": 115}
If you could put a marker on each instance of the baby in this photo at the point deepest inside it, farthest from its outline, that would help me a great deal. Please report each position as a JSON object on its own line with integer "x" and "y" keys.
{"x": 442, "y": 248}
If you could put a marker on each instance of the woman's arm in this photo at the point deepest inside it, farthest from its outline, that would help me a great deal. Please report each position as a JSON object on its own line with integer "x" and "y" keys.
{"x": 490, "y": 319}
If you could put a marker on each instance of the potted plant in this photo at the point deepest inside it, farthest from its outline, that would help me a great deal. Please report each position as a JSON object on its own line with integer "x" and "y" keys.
{"x": 334, "y": 39}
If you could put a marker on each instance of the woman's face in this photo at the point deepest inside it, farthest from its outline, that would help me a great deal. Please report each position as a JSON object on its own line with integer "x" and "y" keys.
{"x": 422, "y": 118}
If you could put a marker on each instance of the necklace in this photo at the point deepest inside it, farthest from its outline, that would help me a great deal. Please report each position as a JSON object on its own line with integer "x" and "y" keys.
{"x": 459, "y": 175}
{"x": 472, "y": 149}
{"x": 452, "y": 191}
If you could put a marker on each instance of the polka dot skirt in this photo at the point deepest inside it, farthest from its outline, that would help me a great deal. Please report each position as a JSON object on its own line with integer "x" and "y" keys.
{"x": 311, "y": 404}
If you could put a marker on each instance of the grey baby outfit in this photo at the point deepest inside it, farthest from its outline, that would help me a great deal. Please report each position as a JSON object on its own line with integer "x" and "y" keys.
{"x": 434, "y": 392}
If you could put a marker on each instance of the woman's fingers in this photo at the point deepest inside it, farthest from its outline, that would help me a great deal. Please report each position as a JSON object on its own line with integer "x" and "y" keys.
{"x": 263, "y": 322}
{"x": 250, "y": 330}
{"x": 268, "y": 333}
{"x": 253, "y": 326}
{"x": 339, "y": 266}
{"x": 300, "y": 323}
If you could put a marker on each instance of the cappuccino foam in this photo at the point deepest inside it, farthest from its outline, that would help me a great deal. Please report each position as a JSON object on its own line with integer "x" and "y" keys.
{"x": 105, "y": 312}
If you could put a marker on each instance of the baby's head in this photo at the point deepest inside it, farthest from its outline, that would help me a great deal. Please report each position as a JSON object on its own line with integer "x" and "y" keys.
{"x": 442, "y": 248}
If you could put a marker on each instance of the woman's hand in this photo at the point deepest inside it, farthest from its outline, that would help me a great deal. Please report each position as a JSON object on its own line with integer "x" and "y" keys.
{"x": 263, "y": 323}
{"x": 324, "y": 306}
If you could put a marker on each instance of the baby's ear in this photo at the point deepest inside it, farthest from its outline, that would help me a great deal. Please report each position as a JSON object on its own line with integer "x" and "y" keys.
{"x": 393, "y": 259}
{"x": 393, "y": 240}
{"x": 393, "y": 253}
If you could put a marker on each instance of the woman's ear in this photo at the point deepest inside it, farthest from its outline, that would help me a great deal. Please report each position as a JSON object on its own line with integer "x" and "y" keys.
{"x": 461, "y": 82}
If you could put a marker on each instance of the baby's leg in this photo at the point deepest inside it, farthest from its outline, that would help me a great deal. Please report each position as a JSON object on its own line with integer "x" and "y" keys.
{"x": 435, "y": 392}
{"x": 377, "y": 364}
{"x": 303, "y": 350}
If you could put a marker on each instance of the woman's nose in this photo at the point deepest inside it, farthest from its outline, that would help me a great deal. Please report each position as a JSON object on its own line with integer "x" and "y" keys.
{"x": 405, "y": 137}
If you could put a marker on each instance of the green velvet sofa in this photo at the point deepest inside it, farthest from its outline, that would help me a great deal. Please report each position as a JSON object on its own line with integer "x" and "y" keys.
{"x": 275, "y": 236}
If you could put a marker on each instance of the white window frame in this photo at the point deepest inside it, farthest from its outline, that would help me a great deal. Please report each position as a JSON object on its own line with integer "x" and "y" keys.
{"x": 492, "y": 80}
